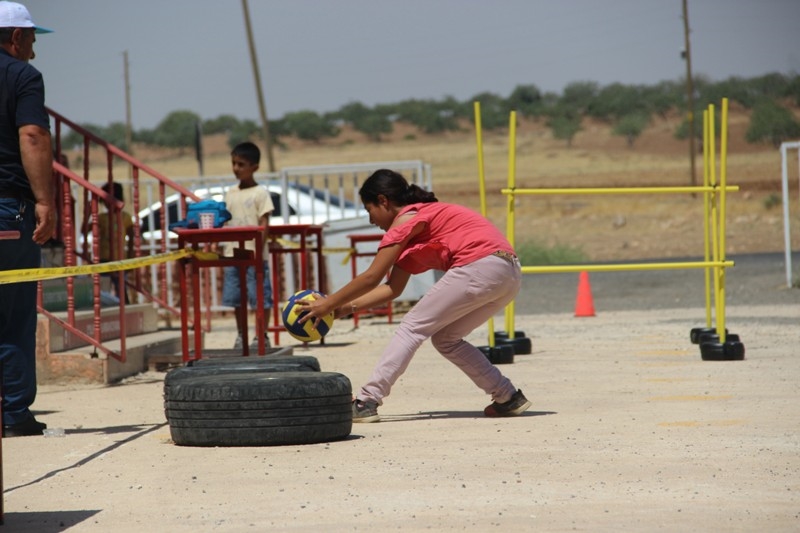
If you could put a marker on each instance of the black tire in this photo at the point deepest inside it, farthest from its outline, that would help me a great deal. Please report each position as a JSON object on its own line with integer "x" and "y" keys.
{"x": 520, "y": 345}
{"x": 234, "y": 365}
{"x": 717, "y": 351}
{"x": 259, "y": 360}
{"x": 695, "y": 333}
{"x": 499, "y": 355}
{"x": 259, "y": 409}
{"x": 223, "y": 353}
{"x": 713, "y": 337}
{"x": 503, "y": 335}
{"x": 208, "y": 370}
{"x": 304, "y": 363}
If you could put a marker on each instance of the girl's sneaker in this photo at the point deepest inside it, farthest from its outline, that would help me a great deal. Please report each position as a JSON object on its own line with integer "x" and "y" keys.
{"x": 517, "y": 405}
{"x": 365, "y": 412}
{"x": 253, "y": 346}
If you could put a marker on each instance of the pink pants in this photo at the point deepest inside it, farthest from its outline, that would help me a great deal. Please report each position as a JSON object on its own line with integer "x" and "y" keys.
{"x": 463, "y": 299}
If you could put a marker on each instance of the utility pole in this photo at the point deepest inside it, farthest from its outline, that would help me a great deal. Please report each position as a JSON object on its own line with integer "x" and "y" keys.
{"x": 128, "y": 127}
{"x": 261, "y": 106}
{"x": 198, "y": 145}
{"x": 687, "y": 55}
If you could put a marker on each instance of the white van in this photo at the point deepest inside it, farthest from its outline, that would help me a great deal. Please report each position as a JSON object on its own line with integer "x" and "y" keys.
{"x": 300, "y": 205}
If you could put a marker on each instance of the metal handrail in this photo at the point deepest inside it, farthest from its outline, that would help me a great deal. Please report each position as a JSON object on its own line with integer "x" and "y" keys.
{"x": 71, "y": 184}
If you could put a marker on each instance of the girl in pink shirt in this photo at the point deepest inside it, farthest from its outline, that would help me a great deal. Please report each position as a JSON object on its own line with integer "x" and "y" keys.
{"x": 482, "y": 275}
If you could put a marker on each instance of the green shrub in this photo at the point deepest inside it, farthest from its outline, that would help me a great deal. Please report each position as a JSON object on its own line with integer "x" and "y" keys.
{"x": 532, "y": 253}
{"x": 773, "y": 200}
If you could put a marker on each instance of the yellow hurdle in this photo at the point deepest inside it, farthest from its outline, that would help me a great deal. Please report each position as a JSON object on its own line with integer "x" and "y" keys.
{"x": 706, "y": 227}
{"x": 482, "y": 187}
{"x": 723, "y": 155}
{"x": 618, "y": 190}
{"x": 714, "y": 210}
{"x": 512, "y": 176}
{"x": 714, "y": 200}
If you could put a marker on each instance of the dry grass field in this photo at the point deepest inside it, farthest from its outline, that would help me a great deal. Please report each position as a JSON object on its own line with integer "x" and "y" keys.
{"x": 608, "y": 227}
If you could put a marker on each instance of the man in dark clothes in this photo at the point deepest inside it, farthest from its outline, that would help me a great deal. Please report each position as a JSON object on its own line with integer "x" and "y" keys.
{"x": 27, "y": 211}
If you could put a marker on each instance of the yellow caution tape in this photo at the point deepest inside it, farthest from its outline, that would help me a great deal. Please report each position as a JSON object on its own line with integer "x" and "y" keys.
{"x": 325, "y": 250}
{"x": 38, "y": 274}
{"x": 205, "y": 256}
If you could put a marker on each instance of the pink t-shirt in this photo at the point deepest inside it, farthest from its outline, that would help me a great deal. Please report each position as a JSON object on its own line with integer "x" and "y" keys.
{"x": 453, "y": 236}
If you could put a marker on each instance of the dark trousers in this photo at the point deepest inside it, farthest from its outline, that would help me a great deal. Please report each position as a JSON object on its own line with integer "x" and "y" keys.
{"x": 18, "y": 312}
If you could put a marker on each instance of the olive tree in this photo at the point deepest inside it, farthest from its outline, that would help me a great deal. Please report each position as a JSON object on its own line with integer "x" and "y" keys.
{"x": 631, "y": 126}
{"x": 771, "y": 123}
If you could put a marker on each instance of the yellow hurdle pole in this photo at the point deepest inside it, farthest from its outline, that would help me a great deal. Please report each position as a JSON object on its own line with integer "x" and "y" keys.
{"x": 621, "y": 190}
{"x": 723, "y": 161}
{"x": 714, "y": 215}
{"x": 482, "y": 187}
{"x": 479, "y": 142}
{"x": 624, "y": 267}
{"x": 512, "y": 173}
{"x": 706, "y": 229}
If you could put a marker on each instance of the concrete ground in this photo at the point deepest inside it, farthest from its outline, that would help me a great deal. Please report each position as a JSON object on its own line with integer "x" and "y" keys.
{"x": 629, "y": 431}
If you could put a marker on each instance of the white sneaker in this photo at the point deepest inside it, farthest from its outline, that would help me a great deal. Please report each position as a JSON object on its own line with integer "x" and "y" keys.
{"x": 254, "y": 344}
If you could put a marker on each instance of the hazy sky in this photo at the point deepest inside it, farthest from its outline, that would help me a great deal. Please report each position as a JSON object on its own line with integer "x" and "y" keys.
{"x": 321, "y": 54}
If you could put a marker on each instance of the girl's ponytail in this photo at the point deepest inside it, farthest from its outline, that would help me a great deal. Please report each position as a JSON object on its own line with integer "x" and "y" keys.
{"x": 395, "y": 188}
{"x": 418, "y": 195}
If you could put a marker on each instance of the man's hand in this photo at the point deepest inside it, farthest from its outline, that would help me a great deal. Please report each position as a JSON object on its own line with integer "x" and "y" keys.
{"x": 45, "y": 222}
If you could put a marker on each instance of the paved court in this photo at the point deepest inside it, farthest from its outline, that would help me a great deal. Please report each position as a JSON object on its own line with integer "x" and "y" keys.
{"x": 629, "y": 431}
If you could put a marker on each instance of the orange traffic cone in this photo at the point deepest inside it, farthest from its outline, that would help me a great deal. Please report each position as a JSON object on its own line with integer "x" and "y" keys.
{"x": 584, "y": 306}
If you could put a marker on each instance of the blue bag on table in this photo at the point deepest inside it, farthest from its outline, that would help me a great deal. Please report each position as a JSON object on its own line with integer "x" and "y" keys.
{"x": 193, "y": 211}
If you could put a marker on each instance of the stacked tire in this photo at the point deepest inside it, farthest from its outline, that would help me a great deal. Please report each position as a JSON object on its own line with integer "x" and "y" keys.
{"x": 257, "y": 401}
{"x": 711, "y": 347}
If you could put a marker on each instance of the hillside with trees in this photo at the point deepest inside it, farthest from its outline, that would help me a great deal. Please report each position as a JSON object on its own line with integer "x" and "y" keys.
{"x": 588, "y": 136}
{"x": 773, "y": 101}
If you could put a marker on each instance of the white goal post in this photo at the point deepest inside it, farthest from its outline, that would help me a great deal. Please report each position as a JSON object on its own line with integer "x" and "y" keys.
{"x": 785, "y": 147}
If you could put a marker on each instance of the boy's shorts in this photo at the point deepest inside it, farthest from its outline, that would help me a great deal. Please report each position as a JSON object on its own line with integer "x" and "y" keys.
{"x": 231, "y": 292}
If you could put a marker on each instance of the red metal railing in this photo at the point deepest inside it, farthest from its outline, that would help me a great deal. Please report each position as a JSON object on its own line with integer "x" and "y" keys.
{"x": 88, "y": 210}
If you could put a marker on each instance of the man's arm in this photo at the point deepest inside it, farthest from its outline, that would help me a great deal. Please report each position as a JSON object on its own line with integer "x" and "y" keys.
{"x": 37, "y": 160}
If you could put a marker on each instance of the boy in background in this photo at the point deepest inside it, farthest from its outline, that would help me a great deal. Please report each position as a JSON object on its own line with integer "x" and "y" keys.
{"x": 108, "y": 227}
{"x": 110, "y": 237}
{"x": 250, "y": 204}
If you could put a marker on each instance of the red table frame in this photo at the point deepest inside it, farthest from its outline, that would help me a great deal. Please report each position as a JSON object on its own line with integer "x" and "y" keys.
{"x": 303, "y": 231}
{"x": 244, "y": 259}
{"x": 354, "y": 255}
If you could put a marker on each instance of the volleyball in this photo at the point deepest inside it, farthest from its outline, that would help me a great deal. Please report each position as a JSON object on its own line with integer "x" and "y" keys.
{"x": 293, "y": 312}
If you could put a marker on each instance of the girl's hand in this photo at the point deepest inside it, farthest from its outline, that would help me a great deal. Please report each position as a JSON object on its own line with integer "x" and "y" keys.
{"x": 314, "y": 309}
{"x": 342, "y": 311}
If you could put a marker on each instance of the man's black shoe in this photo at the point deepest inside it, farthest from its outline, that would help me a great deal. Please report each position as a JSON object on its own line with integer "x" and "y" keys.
{"x": 24, "y": 429}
